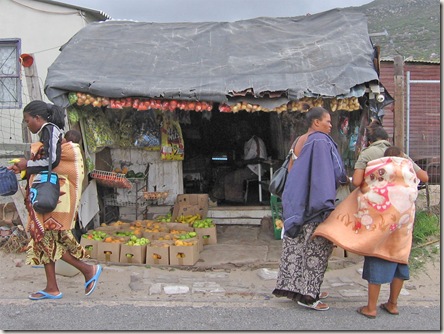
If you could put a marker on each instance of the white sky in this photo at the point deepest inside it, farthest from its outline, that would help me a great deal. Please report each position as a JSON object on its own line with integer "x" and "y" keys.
{"x": 210, "y": 10}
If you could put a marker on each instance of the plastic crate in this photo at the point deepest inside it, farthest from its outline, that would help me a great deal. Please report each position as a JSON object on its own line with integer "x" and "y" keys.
{"x": 276, "y": 213}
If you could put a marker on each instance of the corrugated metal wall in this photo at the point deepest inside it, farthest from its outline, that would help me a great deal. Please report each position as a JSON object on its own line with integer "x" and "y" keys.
{"x": 425, "y": 109}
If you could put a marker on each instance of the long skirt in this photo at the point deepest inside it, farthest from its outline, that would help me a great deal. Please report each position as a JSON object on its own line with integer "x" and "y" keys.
{"x": 52, "y": 247}
{"x": 303, "y": 264}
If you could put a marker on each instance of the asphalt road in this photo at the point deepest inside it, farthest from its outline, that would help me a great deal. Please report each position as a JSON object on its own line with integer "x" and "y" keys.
{"x": 20, "y": 315}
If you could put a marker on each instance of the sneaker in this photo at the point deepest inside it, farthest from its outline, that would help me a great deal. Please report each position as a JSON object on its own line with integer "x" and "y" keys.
{"x": 317, "y": 305}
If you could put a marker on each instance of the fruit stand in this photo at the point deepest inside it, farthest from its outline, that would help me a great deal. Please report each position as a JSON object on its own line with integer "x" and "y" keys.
{"x": 174, "y": 239}
{"x": 169, "y": 102}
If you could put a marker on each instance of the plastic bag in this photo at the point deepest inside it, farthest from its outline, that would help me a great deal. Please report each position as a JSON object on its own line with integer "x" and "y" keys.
{"x": 8, "y": 182}
{"x": 98, "y": 132}
{"x": 172, "y": 140}
{"x": 147, "y": 136}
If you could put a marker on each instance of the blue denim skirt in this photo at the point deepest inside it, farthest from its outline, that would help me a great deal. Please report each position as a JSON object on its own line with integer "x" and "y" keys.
{"x": 379, "y": 271}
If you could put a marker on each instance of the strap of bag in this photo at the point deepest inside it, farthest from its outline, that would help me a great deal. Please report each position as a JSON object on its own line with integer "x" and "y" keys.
{"x": 50, "y": 154}
{"x": 293, "y": 145}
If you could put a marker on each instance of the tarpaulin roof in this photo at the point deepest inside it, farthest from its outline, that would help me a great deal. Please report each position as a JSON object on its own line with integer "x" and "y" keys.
{"x": 324, "y": 54}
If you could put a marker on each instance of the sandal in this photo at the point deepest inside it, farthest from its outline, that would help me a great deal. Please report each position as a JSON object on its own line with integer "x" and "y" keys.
{"x": 94, "y": 280}
{"x": 317, "y": 305}
{"x": 384, "y": 307}
{"x": 359, "y": 310}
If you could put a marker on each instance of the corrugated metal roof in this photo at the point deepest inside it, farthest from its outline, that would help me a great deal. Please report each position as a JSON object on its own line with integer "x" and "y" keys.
{"x": 101, "y": 16}
{"x": 437, "y": 62}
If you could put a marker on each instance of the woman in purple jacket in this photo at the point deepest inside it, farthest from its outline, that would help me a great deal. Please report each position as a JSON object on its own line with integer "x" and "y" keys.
{"x": 309, "y": 197}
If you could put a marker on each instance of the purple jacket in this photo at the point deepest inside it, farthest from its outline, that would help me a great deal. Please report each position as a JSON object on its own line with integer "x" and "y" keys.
{"x": 310, "y": 190}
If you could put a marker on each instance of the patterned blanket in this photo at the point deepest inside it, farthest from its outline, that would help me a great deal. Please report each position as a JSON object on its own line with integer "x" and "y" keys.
{"x": 71, "y": 173}
{"x": 377, "y": 218}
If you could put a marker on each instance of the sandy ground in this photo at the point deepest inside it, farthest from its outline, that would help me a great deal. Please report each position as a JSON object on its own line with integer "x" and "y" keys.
{"x": 126, "y": 284}
{"x": 122, "y": 283}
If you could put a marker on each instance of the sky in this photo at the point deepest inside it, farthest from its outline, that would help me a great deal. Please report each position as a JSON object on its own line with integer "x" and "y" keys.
{"x": 209, "y": 10}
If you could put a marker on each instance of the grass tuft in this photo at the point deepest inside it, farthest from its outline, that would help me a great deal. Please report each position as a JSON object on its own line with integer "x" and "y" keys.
{"x": 426, "y": 225}
{"x": 426, "y": 229}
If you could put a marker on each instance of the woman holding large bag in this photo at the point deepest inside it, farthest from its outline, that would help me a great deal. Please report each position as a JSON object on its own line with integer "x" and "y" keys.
{"x": 51, "y": 236}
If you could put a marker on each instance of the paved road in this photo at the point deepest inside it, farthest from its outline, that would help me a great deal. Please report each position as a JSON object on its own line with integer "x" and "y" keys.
{"x": 211, "y": 315}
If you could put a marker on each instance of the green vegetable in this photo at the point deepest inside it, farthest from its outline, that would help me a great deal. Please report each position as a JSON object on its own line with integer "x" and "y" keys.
{"x": 73, "y": 115}
{"x": 131, "y": 174}
{"x": 72, "y": 98}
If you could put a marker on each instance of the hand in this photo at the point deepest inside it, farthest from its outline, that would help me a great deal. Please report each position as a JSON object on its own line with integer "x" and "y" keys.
{"x": 20, "y": 165}
{"x": 37, "y": 156}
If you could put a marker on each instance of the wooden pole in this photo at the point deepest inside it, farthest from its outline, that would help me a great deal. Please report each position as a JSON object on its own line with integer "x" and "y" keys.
{"x": 399, "y": 112}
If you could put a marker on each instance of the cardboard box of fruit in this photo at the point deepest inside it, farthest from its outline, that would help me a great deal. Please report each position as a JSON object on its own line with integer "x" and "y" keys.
{"x": 206, "y": 231}
{"x": 108, "y": 250}
{"x": 90, "y": 246}
{"x": 90, "y": 241}
{"x": 184, "y": 253}
{"x": 190, "y": 204}
{"x": 134, "y": 250}
{"x": 158, "y": 252}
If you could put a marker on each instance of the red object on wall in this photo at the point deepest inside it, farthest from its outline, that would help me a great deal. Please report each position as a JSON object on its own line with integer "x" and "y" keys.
{"x": 26, "y": 60}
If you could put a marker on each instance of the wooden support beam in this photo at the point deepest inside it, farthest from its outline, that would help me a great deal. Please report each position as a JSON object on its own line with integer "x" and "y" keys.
{"x": 399, "y": 112}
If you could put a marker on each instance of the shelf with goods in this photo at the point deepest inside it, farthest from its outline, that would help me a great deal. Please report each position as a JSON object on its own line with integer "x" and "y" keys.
{"x": 127, "y": 192}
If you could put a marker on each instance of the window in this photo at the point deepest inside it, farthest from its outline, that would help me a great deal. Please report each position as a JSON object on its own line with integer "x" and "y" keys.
{"x": 10, "y": 87}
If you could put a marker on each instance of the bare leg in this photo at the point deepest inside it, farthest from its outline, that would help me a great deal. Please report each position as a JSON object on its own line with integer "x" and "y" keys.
{"x": 395, "y": 290}
{"x": 373, "y": 295}
{"x": 51, "y": 281}
{"x": 86, "y": 269}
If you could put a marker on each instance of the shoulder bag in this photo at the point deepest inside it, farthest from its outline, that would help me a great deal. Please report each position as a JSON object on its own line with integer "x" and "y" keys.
{"x": 45, "y": 189}
{"x": 277, "y": 182}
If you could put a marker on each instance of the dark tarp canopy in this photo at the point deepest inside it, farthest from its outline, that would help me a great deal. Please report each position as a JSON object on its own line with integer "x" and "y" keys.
{"x": 326, "y": 54}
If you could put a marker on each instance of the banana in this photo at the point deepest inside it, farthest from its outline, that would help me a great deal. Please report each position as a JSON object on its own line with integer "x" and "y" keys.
{"x": 23, "y": 172}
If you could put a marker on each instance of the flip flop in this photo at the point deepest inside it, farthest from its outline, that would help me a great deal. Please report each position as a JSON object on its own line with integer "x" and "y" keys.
{"x": 359, "y": 310}
{"x": 384, "y": 307}
{"x": 317, "y": 305}
{"x": 45, "y": 295}
{"x": 94, "y": 279}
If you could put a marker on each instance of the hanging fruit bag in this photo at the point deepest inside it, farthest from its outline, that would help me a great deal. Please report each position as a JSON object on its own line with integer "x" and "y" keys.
{"x": 172, "y": 145}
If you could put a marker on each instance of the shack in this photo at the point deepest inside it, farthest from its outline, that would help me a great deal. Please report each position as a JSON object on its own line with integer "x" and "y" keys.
{"x": 163, "y": 101}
